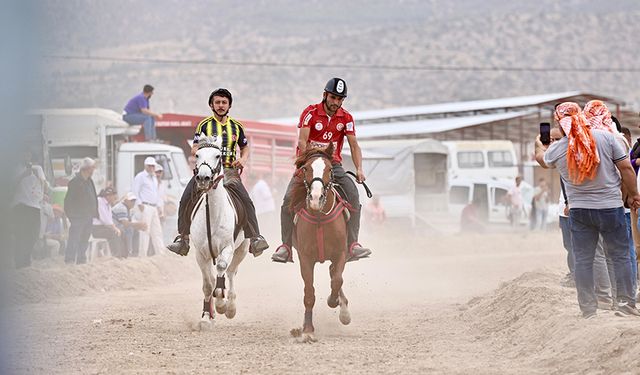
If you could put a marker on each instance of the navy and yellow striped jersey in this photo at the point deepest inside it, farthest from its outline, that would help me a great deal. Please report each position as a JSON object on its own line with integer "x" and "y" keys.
{"x": 232, "y": 132}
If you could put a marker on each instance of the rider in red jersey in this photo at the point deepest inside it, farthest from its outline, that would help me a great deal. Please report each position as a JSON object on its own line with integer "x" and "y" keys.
{"x": 321, "y": 124}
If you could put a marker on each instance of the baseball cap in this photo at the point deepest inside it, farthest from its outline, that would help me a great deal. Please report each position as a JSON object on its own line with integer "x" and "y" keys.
{"x": 150, "y": 161}
{"x": 159, "y": 168}
{"x": 130, "y": 197}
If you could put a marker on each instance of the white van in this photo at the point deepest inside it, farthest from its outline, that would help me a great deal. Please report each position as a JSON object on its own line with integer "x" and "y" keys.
{"x": 478, "y": 160}
{"x": 492, "y": 193}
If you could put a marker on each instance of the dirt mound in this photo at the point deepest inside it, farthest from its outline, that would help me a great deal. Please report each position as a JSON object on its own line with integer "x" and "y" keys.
{"x": 533, "y": 318}
{"x": 52, "y": 279}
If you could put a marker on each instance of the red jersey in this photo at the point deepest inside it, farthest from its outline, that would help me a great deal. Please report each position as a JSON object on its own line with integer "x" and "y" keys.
{"x": 324, "y": 129}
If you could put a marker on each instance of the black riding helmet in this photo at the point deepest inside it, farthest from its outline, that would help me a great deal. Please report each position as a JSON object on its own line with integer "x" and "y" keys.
{"x": 221, "y": 92}
{"x": 336, "y": 86}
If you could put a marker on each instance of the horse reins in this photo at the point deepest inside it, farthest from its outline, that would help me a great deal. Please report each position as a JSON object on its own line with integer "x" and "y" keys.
{"x": 214, "y": 185}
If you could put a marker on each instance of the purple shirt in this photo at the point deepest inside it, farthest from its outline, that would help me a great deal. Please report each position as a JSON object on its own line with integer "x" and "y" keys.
{"x": 136, "y": 103}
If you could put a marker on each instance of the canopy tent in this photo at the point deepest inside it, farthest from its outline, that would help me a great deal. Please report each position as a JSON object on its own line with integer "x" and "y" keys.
{"x": 408, "y": 175}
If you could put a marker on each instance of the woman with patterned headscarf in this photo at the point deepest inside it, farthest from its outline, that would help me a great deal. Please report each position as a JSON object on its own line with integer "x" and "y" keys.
{"x": 582, "y": 155}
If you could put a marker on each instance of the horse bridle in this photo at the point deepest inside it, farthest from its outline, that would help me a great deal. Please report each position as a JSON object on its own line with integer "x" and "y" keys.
{"x": 214, "y": 171}
{"x": 325, "y": 187}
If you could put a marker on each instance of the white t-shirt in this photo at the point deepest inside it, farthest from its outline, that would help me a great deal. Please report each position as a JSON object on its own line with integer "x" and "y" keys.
{"x": 29, "y": 188}
{"x": 262, "y": 197}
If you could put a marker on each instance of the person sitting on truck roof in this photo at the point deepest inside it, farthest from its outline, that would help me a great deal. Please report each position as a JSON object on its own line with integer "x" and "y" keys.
{"x": 137, "y": 112}
{"x": 232, "y": 133}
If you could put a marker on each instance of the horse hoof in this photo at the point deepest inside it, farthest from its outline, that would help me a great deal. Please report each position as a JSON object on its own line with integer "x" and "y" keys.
{"x": 221, "y": 307}
{"x": 333, "y": 303}
{"x": 231, "y": 312}
{"x": 296, "y": 332}
{"x": 205, "y": 325}
{"x": 345, "y": 317}
{"x": 308, "y": 338}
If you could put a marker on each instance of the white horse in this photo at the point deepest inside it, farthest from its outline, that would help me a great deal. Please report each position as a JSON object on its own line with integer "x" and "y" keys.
{"x": 216, "y": 247}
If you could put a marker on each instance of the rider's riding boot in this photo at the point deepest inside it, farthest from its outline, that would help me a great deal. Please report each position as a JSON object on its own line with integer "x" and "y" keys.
{"x": 180, "y": 245}
{"x": 356, "y": 251}
{"x": 282, "y": 254}
{"x": 257, "y": 245}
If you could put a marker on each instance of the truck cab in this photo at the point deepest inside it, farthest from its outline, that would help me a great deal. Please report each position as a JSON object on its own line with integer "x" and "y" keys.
{"x": 130, "y": 161}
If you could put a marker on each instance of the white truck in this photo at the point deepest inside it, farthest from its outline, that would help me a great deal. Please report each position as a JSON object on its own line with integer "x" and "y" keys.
{"x": 69, "y": 135}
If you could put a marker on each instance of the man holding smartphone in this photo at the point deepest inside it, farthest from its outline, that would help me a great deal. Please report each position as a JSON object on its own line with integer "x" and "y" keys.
{"x": 593, "y": 165}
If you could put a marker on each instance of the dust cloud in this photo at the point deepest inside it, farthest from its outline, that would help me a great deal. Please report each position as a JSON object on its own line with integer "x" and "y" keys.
{"x": 443, "y": 303}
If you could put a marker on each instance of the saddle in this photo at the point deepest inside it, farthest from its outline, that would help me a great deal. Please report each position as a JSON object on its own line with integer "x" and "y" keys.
{"x": 238, "y": 208}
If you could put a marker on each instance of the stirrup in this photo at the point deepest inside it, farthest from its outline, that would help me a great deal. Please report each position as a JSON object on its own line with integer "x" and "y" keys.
{"x": 289, "y": 258}
{"x": 183, "y": 250}
{"x": 352, "y": 257}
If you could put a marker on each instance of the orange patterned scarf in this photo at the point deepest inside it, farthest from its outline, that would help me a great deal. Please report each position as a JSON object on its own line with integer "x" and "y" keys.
{"x": 582, "y": 155}
{"x": 599, "y": 116}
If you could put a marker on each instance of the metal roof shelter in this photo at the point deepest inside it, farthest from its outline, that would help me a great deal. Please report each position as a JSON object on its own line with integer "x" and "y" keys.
{"x": 465, "y": 107}
{"x": 516, "y": 119}
{"x": 429, "y": 127}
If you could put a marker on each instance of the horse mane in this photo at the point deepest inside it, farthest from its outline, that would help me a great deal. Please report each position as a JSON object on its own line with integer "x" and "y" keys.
{"x": 326, "y": 152}
{"x": 298, "y": 190}
{"x": 207, "y": 140}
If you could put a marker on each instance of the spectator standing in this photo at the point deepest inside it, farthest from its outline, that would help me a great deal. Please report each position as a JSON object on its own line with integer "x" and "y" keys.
{"x": 262, "y": 198}
{"x": 145, "y": 188}
{"x": 514, "y": 196}
{"x": 80, "y": 206}
{"x": 29, "y": 183}
{"x": 374, "y": 211}
{"x": 593, "y": 165}
{"x": 137, "y": 112}
{"x": 104, "y": 226}
{"x": 541, "y": 203}
{"x": 600, "y": 117}
{"x": 161, "y": 191}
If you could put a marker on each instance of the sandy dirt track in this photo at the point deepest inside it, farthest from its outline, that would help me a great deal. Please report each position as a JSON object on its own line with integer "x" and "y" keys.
{"x": 480, "y": 304}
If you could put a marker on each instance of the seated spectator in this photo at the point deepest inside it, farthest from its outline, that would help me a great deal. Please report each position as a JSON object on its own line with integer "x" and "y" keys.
{"x": 55, "y": 234}
{"x": 470, "y": 220}
{"x": 374, "y": 211}
{"x": 103, "y": 225}
{"x": 122, "y": 219}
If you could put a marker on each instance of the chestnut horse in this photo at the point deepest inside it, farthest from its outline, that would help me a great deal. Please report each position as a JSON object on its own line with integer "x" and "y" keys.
{"x": 320, "y": 232}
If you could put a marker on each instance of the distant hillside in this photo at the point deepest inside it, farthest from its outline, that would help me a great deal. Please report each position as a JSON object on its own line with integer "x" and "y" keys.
{"x": 570, "y": 34}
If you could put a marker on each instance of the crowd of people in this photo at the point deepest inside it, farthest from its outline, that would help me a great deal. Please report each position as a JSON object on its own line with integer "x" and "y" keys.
{"x": 599, "y": 203}
{"x": 131, "y": 223}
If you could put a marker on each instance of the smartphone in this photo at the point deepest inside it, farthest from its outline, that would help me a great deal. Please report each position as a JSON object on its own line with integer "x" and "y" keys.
{"x": 545, "y": 133}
